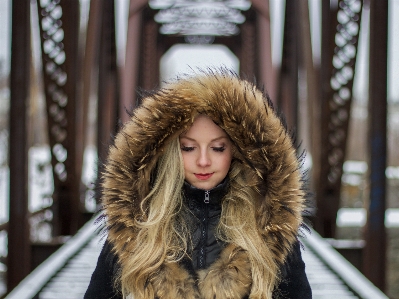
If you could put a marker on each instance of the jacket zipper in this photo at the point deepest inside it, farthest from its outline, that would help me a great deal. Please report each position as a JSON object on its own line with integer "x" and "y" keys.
{"x": 206, "y": 200}
{"x": 204, "y": 232}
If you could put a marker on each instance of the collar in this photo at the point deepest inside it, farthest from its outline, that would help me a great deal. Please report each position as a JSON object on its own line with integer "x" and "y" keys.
{"x": 213, "y": 197}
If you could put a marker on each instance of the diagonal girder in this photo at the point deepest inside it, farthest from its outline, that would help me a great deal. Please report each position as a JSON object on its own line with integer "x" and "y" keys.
{"x": 59, "y": 33}
{"x": 340, "y": 32}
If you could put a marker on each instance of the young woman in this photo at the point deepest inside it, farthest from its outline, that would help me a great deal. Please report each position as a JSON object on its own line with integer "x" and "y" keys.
{"x": 203, "y": 198}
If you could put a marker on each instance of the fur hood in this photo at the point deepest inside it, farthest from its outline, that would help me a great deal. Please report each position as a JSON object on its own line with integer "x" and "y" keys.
{"x": 247, "y": 116}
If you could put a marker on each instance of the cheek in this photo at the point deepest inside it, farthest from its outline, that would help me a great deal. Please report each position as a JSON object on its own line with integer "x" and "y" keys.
{"x": 186, "y": 161}
{"x": 226, "y": 162}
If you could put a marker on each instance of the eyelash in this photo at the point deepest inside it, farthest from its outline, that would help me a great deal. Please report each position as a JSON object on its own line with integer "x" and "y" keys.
{"x": 187, "y": 148}
{"x": 191, "y": 148}
{"x": 219, "y": 149}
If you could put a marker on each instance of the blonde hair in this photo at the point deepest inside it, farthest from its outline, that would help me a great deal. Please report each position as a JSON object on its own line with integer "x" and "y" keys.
{"x": 163, "y": 234}
{"x": 238, "y": 225}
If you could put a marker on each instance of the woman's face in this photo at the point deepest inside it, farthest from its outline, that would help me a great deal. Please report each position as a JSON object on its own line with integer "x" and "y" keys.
{"x": 207, "y": 153}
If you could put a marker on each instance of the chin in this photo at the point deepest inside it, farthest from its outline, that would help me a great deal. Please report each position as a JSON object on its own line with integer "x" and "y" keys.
{"x": 204, "y": 185}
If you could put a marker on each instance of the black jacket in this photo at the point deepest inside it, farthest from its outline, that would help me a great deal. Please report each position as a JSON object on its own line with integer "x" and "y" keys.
{"x": 206, "y": 249}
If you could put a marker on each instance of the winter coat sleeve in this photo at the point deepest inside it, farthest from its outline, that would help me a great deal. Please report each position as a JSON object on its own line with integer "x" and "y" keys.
{"x": 102, "y": 280}
{"x": 295, "y": 284}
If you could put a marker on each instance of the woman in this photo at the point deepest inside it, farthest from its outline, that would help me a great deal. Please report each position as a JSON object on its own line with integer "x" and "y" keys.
{"x": 203, "y": 198}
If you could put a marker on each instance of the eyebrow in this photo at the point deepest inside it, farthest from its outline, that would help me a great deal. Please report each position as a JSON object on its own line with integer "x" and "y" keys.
{"x": 215, "y": 139}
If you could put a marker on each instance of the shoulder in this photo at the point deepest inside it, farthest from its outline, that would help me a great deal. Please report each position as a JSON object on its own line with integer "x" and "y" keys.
{"x": 294, "y": 283}
{"x": 102, "y": 280}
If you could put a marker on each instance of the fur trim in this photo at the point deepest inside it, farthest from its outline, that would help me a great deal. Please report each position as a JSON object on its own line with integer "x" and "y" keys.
{"x": 173, "y": 282}
{"x": 229, "y": 277}
{"x": 262, "y": 142}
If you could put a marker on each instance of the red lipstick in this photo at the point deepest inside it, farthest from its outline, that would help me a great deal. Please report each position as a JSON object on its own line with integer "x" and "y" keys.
{"x": 203, "y": 176}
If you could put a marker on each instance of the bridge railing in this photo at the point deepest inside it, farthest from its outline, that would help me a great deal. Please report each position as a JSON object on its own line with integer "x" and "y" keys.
{"x": 335, "y": 264}
{"x": 348, "y": 273}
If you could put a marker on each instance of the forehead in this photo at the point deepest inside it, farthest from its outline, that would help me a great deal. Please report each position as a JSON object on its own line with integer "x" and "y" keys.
{"x": 202, "y": 127}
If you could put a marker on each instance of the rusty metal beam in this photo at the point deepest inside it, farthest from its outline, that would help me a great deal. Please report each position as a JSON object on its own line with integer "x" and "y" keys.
{"x": 267, "y": 74}
{"x": 375, "y": 251}
{"x": 59, "y": 21}
{"x": 247, "y": 50}
{"x": 149, "y": 56}
{"x": 340, "y": 32}
{"x": 130, "y": 71}
{"x": 288, "y": 89}
{"x": 4, "y": 226}
{"x": 90, "y": 63}
{"x": 312, "y": 84}
{"x": 262, "y": 7}
{"x": 108, "y": 86}
{"x": 323, "y": 221}
{"x": 70, "y": 204}
{"x": 18, "y": 265}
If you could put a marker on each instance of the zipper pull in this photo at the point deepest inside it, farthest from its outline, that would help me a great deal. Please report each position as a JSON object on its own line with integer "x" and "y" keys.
{"x": 206, "y": 200}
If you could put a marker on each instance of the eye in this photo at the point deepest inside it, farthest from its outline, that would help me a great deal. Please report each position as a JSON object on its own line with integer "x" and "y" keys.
{"x": 219, "y": 149}
{"x": 187, "y": 148}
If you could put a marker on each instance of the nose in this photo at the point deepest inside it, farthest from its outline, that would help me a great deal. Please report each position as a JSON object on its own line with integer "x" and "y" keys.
{"x": 203, "y": 158}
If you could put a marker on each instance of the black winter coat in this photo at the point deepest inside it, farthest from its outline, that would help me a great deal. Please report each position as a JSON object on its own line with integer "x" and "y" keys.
{"x": 206, "y": 249}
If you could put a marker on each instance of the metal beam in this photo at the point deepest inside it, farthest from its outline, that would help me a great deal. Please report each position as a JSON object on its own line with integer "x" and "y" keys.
{"x": 375, "y": 250}
{"x": 312, "y": 83}
{"x": 18, "y": 265}
{"x": 247, "y": 49}
{"x": 70, "y": 205}
{"x": 262, "y": 7}
{"x": 59, "y": 21}
{"x": 267, "y": 74}
{"x": 108, "y": 87}
{"x": 149, "y": 56}
{"x": 323, "y": 221}
{"x": 288, "y": 89}
{"x": 340, "y": 31}
{"x": 130, "y": 71}
{"x": 90, "y": 64}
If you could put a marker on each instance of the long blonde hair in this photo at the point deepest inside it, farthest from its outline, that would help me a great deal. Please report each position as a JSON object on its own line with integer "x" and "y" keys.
{"x": 238, "y": 225}
{"x": 161, "y": 230}
{"x": 163, "y": 234}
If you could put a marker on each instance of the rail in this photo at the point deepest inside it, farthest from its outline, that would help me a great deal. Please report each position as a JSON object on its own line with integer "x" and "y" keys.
{"x": 348, "y": 273}
{"x": 29, "y": 287}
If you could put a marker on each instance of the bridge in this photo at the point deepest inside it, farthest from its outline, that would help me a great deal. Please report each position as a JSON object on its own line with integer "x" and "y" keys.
{"x": 66, "y": 273}
{"x": 84, "y": 69}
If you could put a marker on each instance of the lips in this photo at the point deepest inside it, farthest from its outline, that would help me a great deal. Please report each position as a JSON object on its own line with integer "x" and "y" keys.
{"x": 203, "y": 176}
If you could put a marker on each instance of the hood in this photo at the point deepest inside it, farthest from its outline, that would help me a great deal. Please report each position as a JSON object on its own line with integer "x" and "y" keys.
{"x": 248, "y": 118}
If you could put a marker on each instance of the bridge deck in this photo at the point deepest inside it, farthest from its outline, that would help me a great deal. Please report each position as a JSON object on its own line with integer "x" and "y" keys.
{"x": 66, "y": 274}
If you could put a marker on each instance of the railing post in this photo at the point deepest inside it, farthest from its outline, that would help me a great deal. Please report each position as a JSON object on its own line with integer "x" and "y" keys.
{"x": 375, "y": 251}
{"x": 18, "y": 265}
